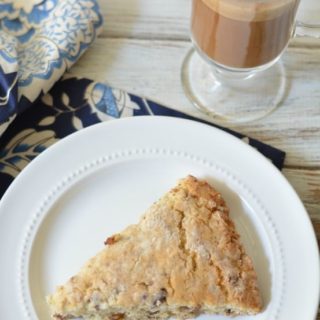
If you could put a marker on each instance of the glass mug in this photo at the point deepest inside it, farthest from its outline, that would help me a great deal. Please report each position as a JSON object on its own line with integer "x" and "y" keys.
{"x": 233, "y": 73}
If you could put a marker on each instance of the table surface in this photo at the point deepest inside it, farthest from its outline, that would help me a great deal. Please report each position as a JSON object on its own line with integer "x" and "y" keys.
{"x": 141, "y": 49}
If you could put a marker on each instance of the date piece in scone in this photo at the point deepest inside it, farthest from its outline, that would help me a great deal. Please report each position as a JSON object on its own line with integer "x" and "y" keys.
{"x": 182, "y": 259}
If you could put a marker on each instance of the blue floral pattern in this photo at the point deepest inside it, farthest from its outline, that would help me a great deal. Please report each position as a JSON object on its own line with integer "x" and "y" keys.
{"x": 71, "y": 17}
{"x": 39, "y": 41}
{"x": 8, "y": 48}
{"x": 21, "y": 18}
{"x": 34, "y": 62}
{"x": 23, "y": 148}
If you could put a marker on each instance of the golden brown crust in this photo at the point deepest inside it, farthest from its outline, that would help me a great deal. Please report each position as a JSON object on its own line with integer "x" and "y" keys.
{"x": 183, "y": 258}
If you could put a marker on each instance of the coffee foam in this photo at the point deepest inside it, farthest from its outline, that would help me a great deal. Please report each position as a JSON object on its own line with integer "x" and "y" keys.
{"x": 250, "y": 10}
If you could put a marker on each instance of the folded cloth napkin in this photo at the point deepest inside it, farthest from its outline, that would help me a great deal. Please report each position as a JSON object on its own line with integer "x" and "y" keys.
{"x": 74, "y": 104}
{"x": 39, "y": 41}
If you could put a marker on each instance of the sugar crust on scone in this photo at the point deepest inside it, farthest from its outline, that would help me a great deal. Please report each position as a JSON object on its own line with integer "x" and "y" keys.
{"x": 183, "y": 258}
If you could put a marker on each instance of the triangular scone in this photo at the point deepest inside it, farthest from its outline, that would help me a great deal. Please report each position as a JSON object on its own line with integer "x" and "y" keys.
{"x": 182, "y": 259}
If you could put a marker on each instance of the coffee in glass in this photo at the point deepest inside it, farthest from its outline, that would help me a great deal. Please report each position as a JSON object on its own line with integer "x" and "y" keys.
{"x": 234, "y": 74}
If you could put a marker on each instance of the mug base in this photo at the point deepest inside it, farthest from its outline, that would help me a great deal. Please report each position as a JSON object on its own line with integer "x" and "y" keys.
{"x": 231, "y": 96}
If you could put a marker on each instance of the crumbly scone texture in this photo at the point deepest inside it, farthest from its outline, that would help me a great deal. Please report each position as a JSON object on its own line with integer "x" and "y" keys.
{"x": 182, "y": 259}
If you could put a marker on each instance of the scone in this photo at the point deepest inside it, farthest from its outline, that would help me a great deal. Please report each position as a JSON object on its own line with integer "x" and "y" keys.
{"x": 182, "y": 259}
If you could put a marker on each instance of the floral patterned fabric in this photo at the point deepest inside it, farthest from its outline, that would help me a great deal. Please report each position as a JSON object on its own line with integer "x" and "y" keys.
{"x": 39, "y": 41}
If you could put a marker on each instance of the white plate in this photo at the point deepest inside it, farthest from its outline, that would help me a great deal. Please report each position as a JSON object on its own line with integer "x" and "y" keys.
{"x": 61, "y": 208}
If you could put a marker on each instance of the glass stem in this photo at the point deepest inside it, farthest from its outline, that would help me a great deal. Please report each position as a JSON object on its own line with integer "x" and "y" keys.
{"x": 225, "y": 76}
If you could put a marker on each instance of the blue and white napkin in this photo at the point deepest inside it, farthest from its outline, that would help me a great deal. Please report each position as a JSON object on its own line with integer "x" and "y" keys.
{"x": 39, "y": 41}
